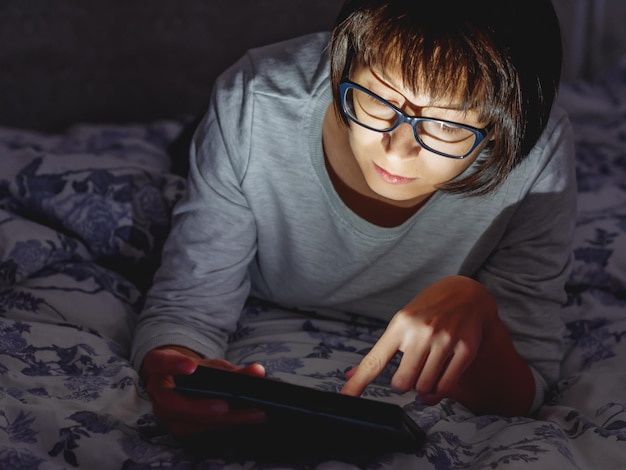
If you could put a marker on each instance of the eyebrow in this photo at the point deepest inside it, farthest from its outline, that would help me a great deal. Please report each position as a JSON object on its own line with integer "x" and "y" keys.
{"x": 432, "y": 104}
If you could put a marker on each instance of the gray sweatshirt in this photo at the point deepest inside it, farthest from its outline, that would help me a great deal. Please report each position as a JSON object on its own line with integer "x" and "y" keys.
{"x": 261, "y": 218}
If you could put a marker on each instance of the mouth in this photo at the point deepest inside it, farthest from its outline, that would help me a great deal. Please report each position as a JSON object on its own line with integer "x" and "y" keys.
{"x": 391, "y": 178}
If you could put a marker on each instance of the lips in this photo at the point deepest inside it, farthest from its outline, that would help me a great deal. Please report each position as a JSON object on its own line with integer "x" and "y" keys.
{"x": 391, "y": 178}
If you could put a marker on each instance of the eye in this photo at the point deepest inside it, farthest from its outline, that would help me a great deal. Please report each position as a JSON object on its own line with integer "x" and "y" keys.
{"x": 373, "y": 101}
{"x": 447, "y": 128}
{"x": 444, "y": 131}
{"x": 372, "y": 105}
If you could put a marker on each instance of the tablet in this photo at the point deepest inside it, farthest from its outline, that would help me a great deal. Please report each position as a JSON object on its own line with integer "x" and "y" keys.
{"x": 302, "y": 419}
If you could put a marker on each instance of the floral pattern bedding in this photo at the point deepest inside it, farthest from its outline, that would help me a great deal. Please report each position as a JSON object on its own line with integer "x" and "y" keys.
{"x": 83, "y": 216}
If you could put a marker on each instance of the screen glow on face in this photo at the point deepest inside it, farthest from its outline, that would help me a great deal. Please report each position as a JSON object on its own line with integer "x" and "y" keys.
{"x": 443, "y": 137}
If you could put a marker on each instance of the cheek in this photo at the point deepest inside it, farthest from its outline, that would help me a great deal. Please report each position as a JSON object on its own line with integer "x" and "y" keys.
{"x": 444, "y": 169}
{"x": 364, "y": 141}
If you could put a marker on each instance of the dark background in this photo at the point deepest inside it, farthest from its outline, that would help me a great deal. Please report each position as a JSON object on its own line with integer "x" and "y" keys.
{"x": 123, "y": 61}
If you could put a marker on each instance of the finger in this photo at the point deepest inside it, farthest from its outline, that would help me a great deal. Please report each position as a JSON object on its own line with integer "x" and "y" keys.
{"x": 168, "y": 362}
{"x": 457, "y": 365}
{"x": 370, "y": 366}
{"x": 209, "y": 412}
{"x": 256, "y": 370}
{"x": 410, "y": 368}
{"x": 432, "y": 370}
{"x": 187, "y": 415}
{"x": 161, "y": 389}
{"x": 168, "y": 403}
{"x": 430, "y": 399}
{"x": 245, "y": 416}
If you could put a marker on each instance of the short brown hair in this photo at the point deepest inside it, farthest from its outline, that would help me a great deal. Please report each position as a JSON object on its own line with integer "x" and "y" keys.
{"x": 502, "y": 58}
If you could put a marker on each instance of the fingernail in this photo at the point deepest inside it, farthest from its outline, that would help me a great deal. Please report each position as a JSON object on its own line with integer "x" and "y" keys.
{"x": 257, "y": 416}
{"x": 426, "y": 399}
{"x": 186, "y": 366}
{"x": 219, "y": 408}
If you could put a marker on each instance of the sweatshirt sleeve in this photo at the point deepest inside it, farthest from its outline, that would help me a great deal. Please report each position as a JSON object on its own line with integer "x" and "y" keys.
{"x": 202, "y": 283}
{"x": 528, "y": 270}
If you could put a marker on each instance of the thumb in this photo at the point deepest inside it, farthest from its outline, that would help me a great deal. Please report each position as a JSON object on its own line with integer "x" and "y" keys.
{"x": 167, "y": 361}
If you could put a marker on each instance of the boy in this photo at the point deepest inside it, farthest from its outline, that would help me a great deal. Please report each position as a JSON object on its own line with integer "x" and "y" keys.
{"x": 410, "y": 168}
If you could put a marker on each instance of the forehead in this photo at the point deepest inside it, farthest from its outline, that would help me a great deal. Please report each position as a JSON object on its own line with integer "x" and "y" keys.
{"x": 418, "y": 92}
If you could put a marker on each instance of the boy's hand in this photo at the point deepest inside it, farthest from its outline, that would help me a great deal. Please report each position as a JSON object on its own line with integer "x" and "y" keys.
{"x": 439, "y": 333}
{"x": 454, "y": 345}
{"x": 184, "y": 415}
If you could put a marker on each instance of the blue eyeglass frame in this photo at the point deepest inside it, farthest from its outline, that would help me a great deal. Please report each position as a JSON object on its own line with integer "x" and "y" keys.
{"x": 413, "y": 121}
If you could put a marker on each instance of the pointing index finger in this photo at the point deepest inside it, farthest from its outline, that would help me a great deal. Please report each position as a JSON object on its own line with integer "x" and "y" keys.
{"x": 370, "y": 367}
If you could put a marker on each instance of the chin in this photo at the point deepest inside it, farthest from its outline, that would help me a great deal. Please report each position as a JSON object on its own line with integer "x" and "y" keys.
{"x": 398, "y": 197}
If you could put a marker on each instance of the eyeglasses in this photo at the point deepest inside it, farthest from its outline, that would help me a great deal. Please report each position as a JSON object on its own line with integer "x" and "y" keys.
{"x": 445, "y": 138}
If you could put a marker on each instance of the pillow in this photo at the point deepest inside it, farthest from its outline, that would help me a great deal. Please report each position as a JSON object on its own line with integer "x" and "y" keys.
{"x": 108, "y": 187}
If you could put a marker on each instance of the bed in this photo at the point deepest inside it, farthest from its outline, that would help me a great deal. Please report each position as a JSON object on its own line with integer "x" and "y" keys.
{"x": 85, "y": 197}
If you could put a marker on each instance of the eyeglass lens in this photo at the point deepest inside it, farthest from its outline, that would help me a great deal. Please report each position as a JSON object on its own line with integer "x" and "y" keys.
{"x": 376, "y": 114}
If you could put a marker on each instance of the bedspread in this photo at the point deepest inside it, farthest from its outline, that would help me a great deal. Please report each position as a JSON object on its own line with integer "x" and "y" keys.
{"x": 83, "y": 216}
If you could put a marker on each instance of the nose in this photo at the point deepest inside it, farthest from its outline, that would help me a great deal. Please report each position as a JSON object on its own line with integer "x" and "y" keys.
{"x": 402, "y": 141}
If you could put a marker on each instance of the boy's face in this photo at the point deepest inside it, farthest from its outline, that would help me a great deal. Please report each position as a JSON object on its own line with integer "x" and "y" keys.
{"x": 393, "y": 164}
